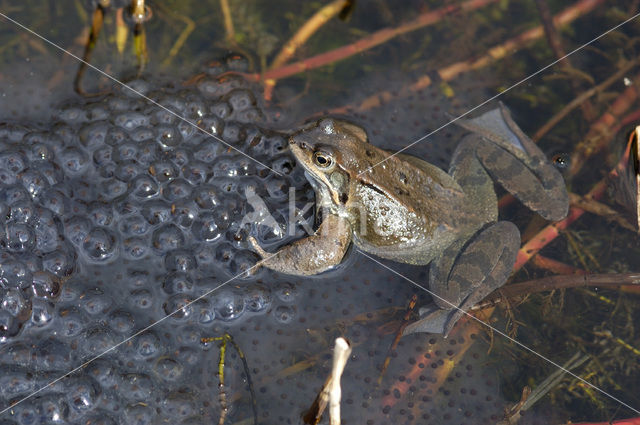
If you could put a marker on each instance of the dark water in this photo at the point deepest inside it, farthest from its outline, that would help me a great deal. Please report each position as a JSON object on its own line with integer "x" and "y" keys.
{"x": 132, "y": 214}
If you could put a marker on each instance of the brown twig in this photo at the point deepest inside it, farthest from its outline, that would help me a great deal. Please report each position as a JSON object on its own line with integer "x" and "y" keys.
{"x": 96, "y": 27}
{"x": 601, "y": 132}
{"x": 230, "y": 33}
{"x": 628, "y": 282}
{"x": 553, "y": 38}
{"x": 494, "y": 54}
{"x": 321, "y": 17}
{"x": 366, "y": 43}
{"x": 317, "y": 21}
{"x": 583, "y": 97}
{"x": 396, "y": 341}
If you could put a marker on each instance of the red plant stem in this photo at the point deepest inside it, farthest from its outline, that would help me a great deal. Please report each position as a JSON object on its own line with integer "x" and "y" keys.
{"x": 494, "y": 54}
{"x": 550, "y": 232}
{"x": 366, "y": 43}
{"x": 601, "y": 131}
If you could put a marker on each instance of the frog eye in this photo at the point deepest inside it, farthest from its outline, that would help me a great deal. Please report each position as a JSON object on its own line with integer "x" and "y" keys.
{"x": 322, "y": 159}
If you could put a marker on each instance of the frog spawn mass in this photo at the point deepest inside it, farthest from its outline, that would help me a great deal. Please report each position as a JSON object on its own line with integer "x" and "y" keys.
{"x": 116, "y": 215}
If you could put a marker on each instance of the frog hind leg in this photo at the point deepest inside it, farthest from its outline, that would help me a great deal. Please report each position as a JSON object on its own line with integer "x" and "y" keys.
{"x": 314, "y": 254}
{"x": 515, "y": 162}
{"x": 481, "y": 266}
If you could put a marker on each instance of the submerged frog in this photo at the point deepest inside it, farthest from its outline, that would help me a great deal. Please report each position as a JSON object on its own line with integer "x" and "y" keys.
{"x": 402, "y": 208}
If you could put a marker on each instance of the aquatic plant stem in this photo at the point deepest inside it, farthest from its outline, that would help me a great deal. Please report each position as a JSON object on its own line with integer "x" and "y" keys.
{"x": 550, "y": 232}
{"x": 450, "y": 72}
{"x": 317, "y": 21}
{"x": 366, "y": 43}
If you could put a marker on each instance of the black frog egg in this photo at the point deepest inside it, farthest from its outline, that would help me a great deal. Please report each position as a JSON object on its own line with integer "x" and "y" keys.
{"x": 127, "y": 170}
{"x": 73, "y": 161}
{"x": 34, "y": 182}
{"x": 179, "y": 307}
{"x": 14, "y": 193}
{"x": 168, "y": 369}
{"x": 42, "y": 312}
{"x": 143, "y": 187}
{"x": 244, "y": 263}
{"x": 121, "y": 321}
{"x": 257, "y": 298}
{"x": 14, "y": 273}
{"x": 204, "y": 312}
{"x": 72, "y": 114}
{"x": 13, "y": 162}
{"x": 100, "y": 245}
{"x": 180, "y": 260}
{"x": 168, "y": 136}
{"x": 112, "y": 188}
{"x": 206, "y": 197}
{"x": 205, "y": 228}
{"x": 9, "y": 326}
{"x": 164, "y": 171}
{"x": 176, "y": 190}
{"x": 177, "y": 282}
{"x": 103, "y": 155}
{"x": 141, "y": 298}
{"x": 94, "y": 134}
{"x": 228, "y": 304}
{"x": 48, "y": 229}
{"x": 71, "y": 322}
{"x": 19, "y": 237}
{"x": 82, "y": 394}
{"x": 76, "y": 229}
{"x": 55, "y": 201}
{"x": 22, "y": 211}
{"x": 135, "y": 248}
{"x": 127, "y": 151}
{"x": 45, "y": 285}
{"x": 133, "y": 225}
{"x": 147, "y": 346}
{"x": 131, "y": 120}
{"x": 61, "y": 261}
{"x": 97, "y": 339}
{"x": 156, "y": 211}
{"x": 14, "y": 302}
{"x": 101, "y": 213}
{"x": 284, "y": 314}
{"x": 39, "y": 150}
{"x": 286, "y": 292}
{"x": 116, "y": 136}
{"x": 95, "y": 301}
{"x": 209, "y": 150}
{"x": 179, "y": 156}
{"x": 184, "y": 214}
{"x": 166, "y": 238}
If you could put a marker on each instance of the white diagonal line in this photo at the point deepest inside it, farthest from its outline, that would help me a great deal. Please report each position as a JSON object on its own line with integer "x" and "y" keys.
{"x": 129, "y": 338}
{"x": 193, "y": 124}
{"x": 502, "y": 92}
{"x": 493, "y": 329}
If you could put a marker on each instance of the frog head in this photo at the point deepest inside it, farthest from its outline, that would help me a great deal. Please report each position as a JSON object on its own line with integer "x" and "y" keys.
{"x": 330, "y": 152}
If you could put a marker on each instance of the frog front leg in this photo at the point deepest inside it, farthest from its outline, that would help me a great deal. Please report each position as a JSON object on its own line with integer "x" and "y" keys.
{"x": 312, "y": 255}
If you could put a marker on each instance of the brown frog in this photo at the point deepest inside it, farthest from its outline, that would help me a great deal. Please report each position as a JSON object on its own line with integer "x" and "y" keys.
{"x": 402, "y": 208}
